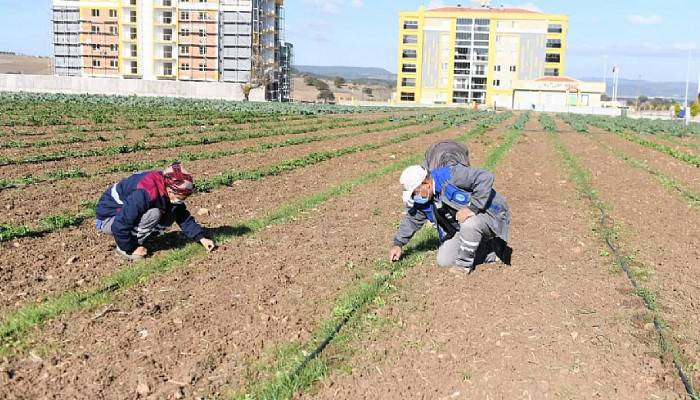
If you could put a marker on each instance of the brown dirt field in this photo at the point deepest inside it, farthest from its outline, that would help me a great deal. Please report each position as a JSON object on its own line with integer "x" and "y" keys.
{"x": 33, "y": 202}
{"x": 662, "y": 233}
{"x": 555, "y": 325}
{"x": 18, "y": 64}
{"x": 165, "y": 135}
{"x": 26, "y": 276}
{"x": 256, "y": 293}
{"x": 683, "y": 172}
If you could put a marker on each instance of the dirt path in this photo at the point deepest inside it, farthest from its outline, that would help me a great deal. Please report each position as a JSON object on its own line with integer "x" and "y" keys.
{"x": 662, "y": 235}
{"x": 211, "y": 321}
{"x": 555, "y": 325}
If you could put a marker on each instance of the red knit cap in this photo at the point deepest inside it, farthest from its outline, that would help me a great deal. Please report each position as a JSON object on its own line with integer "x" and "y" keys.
{"x": 178, "y": 179}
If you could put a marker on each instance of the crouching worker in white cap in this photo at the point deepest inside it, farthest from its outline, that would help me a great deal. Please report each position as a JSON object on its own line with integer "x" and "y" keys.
{"x": 472, "y": 219}
{"x": 143, "y": 206}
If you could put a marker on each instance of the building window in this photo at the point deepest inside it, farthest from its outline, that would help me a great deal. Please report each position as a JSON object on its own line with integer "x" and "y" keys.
{"x": 96, "y": 63}
{"x": 167, "y": 69}
{"x": 134, "y": 67}
{"x": 185, "y": 67}
{"x": 113, "y": 30}
{"x": 410, "y": 68}
{"x": 167, "y": 3}
{"x": 167, "y": 17}
{"x": 409, "y": 54}
{"x": 410, "y": 39}
{"x": 551, "y": 72}
{"x": 167, "y": 34}
{"x": 132, "y": 34}
{"x": 95, "y": 29}
{"x": 462, "y": 68}
{"x": 95, "y": 12}
{"x": 184, "y": 15}
{"x": 555, "y": 28}
{"x": 409, "y": 24}
{"x": 512, "y": 68}
{"x": 114, "y": 63}
{"x": 497, "y": 68}
{"x": 408, "y": 82}
{"x": 184, "y": 49}
{"x": 202, "y": 50}
{"x": 168, "y": 52}
{"x": 113, "y": 13}
{"x": 496, "y": 82}
{"x": 406, "y": 96}
{"x": 202, "y": 33}
{"x": 132, "y": 16}
{"x": 202, "y": 16}
{"x": 94, "y": 46}
{"x": 202, "y": 67}
{"x": 554, "y": 43}
{"x": 114, "y": 47}
{"x": 553, "y": 58}
{"x": 185, "y": 32}
{"x": 134, "y": 50}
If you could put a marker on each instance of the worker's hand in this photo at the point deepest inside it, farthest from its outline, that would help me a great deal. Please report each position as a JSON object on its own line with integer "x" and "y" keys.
{"x": 208, "y": 244}
{"x": 395, "y": 253}
{"x": 464, "y": 214}
{"x": 140, "y": 251}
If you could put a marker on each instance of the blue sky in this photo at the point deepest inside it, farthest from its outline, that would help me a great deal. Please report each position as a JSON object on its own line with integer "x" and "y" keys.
{"x": 645, "y": 38}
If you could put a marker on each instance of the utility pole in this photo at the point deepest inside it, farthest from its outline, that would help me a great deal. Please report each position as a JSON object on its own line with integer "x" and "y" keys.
{"x": 605, "y": 73}
{"x": 639, "y": 80}
{"x": 687, "y": 88}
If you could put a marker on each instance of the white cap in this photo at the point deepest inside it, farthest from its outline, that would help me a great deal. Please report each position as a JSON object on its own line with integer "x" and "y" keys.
{"x": 411, "y": 178}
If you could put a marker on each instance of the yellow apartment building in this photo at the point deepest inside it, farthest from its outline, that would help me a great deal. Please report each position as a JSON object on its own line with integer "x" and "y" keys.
{"x": 461, "y": 55}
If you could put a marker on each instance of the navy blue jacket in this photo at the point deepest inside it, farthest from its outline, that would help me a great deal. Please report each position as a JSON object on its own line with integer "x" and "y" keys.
{"x": 129, "y": 199}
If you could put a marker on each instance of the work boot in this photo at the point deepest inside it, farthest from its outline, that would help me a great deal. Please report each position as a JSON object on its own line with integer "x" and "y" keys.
{"x": 123, "y": 254}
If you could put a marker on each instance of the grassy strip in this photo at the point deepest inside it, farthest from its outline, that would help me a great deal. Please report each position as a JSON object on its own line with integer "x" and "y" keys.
{"x": 16, "y": 325}
{"x": 666, "y": 181}
{"x": 77, "y": 173}
{"x": 608, "y": 234}
{"x": 547, "y": 123}
{"x": 689, "y": 158}
{"x": 180, "y": 142}
{"x": 577, "y": 122}
{"x": 680, "y": 142}
{"x": 292, "y": 371}
{"x": 515, "y": 131}
{"x": 693, "y": 198}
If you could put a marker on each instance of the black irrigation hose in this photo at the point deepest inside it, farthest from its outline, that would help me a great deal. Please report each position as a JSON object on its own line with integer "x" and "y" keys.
{"x": 322, "y": 346}
{"x": 658, "y": 326}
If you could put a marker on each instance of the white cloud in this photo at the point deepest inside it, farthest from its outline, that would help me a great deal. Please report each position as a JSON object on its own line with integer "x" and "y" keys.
{"x": 435, "y": 4}
{"x": 644, "y": 20}
{"x": 358, "y": 3}
{"x": 331, "y": 7}
{"x": 638, "y": 49}
{"x": 524, "y": 6}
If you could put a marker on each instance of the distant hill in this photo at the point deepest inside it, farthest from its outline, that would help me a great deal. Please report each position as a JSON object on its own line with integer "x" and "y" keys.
{"x": 349, "y": 73}
{"x": 632, "y": 87}
{"x": 11, "y": 63}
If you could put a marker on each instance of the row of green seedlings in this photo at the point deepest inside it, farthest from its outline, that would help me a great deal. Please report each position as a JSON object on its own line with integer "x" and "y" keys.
{"x": 575, "y": 121}
{"x": 60, "y": 109}
{"x": 78, "y": 173}
{"x": 16, "y": 325}
{"x": 62, "y": 220}
{"x": 609, "y": 236}
{"x": 692, "y": 197}
{"x": 141, "y": 146}
{"x": 547, "y": 123}
{"x": 296, "y": 367}
{"x": 619, "y": 127}
{"x": 100, "y": 137}
{"x": 166, "y": 122}
{"x": 106, "y": 132}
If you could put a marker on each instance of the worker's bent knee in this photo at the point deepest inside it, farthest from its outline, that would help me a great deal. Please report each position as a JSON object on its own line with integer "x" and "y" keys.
{"x": 445, "y": 258}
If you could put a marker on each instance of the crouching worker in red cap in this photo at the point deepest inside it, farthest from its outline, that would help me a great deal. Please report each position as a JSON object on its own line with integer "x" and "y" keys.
{"x": 143, "y": 206}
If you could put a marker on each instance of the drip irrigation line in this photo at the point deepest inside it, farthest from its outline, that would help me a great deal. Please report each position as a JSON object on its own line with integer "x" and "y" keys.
{"x": 658, "y": 326}
{"x": 322, "y": 346}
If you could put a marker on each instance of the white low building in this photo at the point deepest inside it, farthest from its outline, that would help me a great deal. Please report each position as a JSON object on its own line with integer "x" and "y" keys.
{"x": 557, "y": 94}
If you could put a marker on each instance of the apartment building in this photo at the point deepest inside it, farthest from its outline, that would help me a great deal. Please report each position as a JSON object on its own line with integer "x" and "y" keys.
{"x": 237, "y": 41}
{"x": 454, "y": 55}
